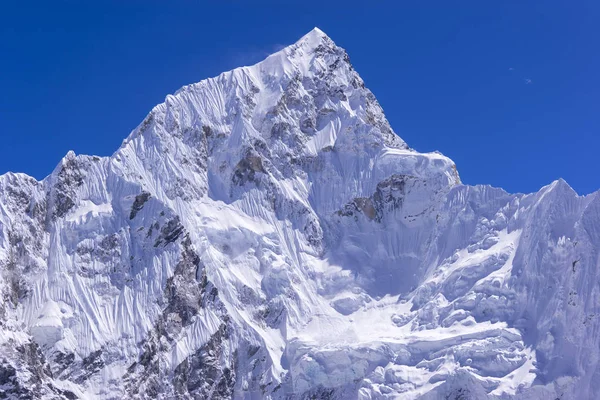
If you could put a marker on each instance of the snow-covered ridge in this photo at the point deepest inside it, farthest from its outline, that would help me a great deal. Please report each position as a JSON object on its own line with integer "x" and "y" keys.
{"x": 266, "y": 234}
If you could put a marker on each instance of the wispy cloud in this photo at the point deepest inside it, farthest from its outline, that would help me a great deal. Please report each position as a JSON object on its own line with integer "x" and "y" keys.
{"x": 528, "y": 81}
{"x": 253, "y": 55}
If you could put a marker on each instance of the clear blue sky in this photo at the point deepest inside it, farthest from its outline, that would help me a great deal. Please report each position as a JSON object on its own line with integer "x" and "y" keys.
{"x": 510, "y": 90}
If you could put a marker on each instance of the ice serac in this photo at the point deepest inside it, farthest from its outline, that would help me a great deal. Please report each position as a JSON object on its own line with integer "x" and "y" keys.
{"x": 266, "y": 234}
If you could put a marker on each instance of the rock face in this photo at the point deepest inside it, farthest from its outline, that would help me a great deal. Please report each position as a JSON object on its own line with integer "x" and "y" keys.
{"x": 266, "y": 234}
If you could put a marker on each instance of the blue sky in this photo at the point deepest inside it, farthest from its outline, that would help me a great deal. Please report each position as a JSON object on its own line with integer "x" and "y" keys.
{"x": 510, "y": 90}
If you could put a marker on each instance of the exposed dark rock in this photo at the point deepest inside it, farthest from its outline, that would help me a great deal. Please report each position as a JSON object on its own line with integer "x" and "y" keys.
{"x": 9, "y": 384}
{"x": 170, "y": 232}
{"x": 390, "y": 193}
{"x": 320, "y": 393}
{"x": 61, "y": 362}
{"x": 31, "y": 364}
{"x": 16, "y": 289}
{"x": 90, "y": 365}
{"x": 247, "y": 168}
{"x": 146, "y": 123}
{"x": 36, "y": 363}
{"x": 108, "y": 247}
{"x": 389, "y": 196}
{"x": 20, "y": 198}
{"x": 8, "y": 374}
{"x": 203, "y": 375}
{"x": 68, "y": 179}
{"x": 152, "y": 228}
{"x": 138, "y": 203}
{"x": 273, "y": 313}
{"x": 183, "y": 291}
{"x": 68, "y": 394}
{"x": 362, "y": 205}
{"x": 459, "y": 394}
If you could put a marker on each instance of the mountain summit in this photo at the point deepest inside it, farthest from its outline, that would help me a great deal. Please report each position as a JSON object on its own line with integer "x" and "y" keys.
{"x": 265, "y": 234}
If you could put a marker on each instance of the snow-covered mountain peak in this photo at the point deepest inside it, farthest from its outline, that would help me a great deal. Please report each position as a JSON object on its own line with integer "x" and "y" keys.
{"x": 314, "y": 35}
{"x": 305, "y": 51}
{"x": 302, "y": 106}
{"x": 266, "y": 234}
{"x": 310, "y": 42}
{"x": 292, "y": 75}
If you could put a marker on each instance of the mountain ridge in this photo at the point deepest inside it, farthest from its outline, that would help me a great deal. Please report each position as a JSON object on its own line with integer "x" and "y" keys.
{"x": 266, "y": 234}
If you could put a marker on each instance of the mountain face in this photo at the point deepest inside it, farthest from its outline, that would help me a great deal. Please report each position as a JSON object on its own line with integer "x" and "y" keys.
{"x": 266, "y": 235}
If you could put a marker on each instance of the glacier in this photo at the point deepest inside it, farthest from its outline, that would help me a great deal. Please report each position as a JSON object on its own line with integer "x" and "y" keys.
{"x": 265, "y": 234}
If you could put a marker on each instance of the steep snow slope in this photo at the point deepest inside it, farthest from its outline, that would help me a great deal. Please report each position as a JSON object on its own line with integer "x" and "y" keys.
{"x": 266, "y": 234}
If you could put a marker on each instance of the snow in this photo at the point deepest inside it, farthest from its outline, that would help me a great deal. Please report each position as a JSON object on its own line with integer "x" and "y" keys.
{"x": 269, "y": 225}
{"x": 89, "y": 210}
{"x": 324, "y": 138}
{"x": 48, "y": 328}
